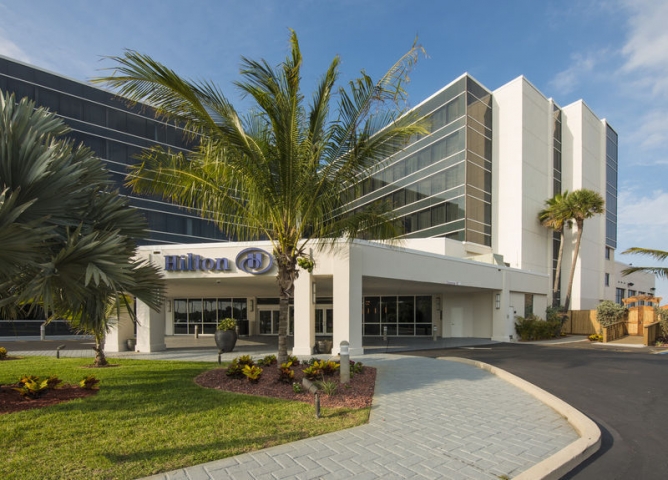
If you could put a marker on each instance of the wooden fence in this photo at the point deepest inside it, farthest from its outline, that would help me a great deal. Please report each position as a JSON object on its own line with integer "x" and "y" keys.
{"x": 614, "y": 331}
{"x": 650, "y": 333}
{"x": 581, "y": 322}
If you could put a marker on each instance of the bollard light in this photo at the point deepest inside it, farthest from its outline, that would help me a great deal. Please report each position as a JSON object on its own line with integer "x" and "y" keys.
{"x": 344, "y": 367}
{"x": 58, "y": 349}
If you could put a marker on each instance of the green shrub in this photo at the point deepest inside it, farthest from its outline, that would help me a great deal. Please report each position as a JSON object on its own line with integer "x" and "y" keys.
{"x": 556, "y": 314}
{"x": 3, "y": 353}
{"x": 313, "y": 372}
{"x": 330, "y": 367}
{"x": 329, "y": 387}
{"x": 608, "y": 313}
{"x": 235, "y": 369}
{"x": 293, "y": 359}
{"x": 32, "y": 387}
{"x": 595, "y": 337}
{"x": 662, "y": 318}
{"x": 267, "y": 361}
{"x": 89, "y": 383}
{"x": 286, "y": 374}
{"x": 245, "y": 360}
{"x": 252, "y": 373}
{"x": 297, "y": 387}
{"x": 535, "y": 328}
{"x": 227, "y": 324}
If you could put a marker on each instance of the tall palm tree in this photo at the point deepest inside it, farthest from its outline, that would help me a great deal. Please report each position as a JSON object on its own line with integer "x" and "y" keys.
{"x": 68, "y": 238}
{"x": 555, "y": 216}
{"x": 277, "y": 172}
{"x": 581, "y": 205}
{"x": 660, "y": 255}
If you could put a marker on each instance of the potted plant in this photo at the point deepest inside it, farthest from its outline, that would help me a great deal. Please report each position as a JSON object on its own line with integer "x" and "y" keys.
{"x": 226, "y": 336}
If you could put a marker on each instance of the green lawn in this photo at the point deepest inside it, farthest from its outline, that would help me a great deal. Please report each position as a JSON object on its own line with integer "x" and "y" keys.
{"x": 148, "y": 417}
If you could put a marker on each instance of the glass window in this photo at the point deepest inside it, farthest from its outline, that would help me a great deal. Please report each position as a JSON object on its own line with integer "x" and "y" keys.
{"x": 607, "y": 280}
{"x": 225, "y": 308}
{"x": 406, "y": 309}
{"x": 372, "y": 310}
{"x": 94, "y": 113}
{"x": 388, "y": 308}
{"x": 423, "y": 309}
{"x": 479, "y": 144}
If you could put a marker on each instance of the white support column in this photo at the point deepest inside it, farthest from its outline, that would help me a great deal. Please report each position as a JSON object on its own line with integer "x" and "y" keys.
{"x": 347, "y": 289}
{"x": 304, "y": 314}
{"x": 122, "y": 329}
{"x": 150, "y": 329}
{"x": 503, "y": 324}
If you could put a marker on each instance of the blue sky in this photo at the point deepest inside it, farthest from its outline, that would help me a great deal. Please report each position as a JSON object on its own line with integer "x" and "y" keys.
{"x": 611, "y": 53}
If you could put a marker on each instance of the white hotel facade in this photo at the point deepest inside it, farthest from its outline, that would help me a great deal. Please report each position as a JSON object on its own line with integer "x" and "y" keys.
{"x": 473, "y": 255}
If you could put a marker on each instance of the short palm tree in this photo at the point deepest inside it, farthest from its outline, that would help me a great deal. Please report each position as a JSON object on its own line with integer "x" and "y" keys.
{"x": 277, "y": 172}
{"x": 581, "y": 205}
{"x": 68, "y": 238}
{"x": 555, "y": 216}
{"x": 659, "y": 255}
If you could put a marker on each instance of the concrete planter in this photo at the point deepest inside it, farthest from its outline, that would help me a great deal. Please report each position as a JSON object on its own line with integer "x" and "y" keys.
{"x": 226, "y": 340}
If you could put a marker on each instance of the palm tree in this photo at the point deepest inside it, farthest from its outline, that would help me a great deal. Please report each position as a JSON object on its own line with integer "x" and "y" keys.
{"x": 660, "y": 255}
{"x": 68, "y": 239}
{"x": 555, "y": 217}
{"x": 581, "y": 205}
{"x": 277, "y": 172}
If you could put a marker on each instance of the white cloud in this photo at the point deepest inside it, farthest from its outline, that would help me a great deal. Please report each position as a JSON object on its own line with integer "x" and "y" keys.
{"x": 10, "y": 49}
{"x": 566, "y": 81}
{"x": 643, "y": 219}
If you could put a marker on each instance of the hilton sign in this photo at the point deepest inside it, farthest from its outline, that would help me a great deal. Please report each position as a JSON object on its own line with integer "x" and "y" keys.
{"x": 251, "y": 260}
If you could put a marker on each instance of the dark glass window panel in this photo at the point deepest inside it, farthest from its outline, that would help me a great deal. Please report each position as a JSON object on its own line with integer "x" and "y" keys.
{"x": 424, "y": 188}
{"x": 411, "y": 194}
{"x": 371, "y": 309}
{"x": 478, "y": 177}
{"x": 118, "y": 152}
{"x": 48, "y": 99}
{"x": 480, "y": 111}
{"x": 478, "y": 210}
{"x": 406, "y": 329}
{"x": 159, "y": 131}
{"x": 209, "y": 313}
{"x": 225, "y": 308}
{"x": 94, "y": 113}
{"x": 71, "y": 107}
{"x": 479, "y": 144}
{"x": 389, "y": 329}
{"x": 424, "y": 219}
{"x": 477, "y": 237}
{"x": 454, "y": 143}
{"x": 454, "y": 176}
{"x": 406, "y": 309}
{"x": 423, "y": 309}
{"x": 438, "y": 215}
{"x": 458, "y": 235}
{"x": 136, "y": 125}
{"x": 180, "y": 311}
{"x": 411, "y": 164}
{"x": 240, "y": 311}
{"x": 372, "y": 329}
{"x": 455, "y": 109}
{"x": 194, "y": 311}
{"x": 557, "y": 159}
{"x": 20, "y": 89}
{"x": 116, "y": 120}
{"x": 438, "y": 183}
{"x": 475, "y": 88}
{"x": 424, "y": 158}
{"x": 454, "y": 209}
{"x": 388, "y": 309}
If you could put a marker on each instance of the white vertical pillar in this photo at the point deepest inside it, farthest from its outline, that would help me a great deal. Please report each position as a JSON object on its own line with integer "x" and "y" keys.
{"x": 304, "y": 314}
{"x": 150, "y": 329}
{"x": 503, "y": 324}
{"x": 122, "y": 329}
{"x": 347, "y": 289}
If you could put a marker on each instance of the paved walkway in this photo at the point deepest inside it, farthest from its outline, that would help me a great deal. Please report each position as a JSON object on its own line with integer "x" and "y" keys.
{"x": 430, "y": 418}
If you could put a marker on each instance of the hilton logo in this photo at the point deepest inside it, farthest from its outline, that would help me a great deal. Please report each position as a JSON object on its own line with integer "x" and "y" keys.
{"x": 254, "y": 261}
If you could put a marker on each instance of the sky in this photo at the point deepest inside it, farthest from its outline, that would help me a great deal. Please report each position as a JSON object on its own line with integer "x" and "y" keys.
{"x": 613, "y": 54}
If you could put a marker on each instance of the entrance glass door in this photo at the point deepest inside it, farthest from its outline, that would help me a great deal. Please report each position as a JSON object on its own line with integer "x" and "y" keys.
{"x": 324, "y": 320}
{"x": 269, "y": 320}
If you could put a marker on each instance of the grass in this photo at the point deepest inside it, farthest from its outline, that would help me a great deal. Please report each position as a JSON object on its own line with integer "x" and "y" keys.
{"x": 148, "y": 417}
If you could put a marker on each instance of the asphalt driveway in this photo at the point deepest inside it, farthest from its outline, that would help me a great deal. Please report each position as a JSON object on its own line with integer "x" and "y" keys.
{"x": 624, "y": 390}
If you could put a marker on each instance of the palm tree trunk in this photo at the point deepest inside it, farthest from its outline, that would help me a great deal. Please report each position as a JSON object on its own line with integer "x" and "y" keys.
{"x": 567, "y": 303}
{"x": 557, "y": 274}
{"x": 100, "y": 359}
{"x": 286, "y": 276}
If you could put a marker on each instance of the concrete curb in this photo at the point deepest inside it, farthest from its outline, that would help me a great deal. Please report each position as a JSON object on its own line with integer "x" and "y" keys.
{"x": 568, "y": 457}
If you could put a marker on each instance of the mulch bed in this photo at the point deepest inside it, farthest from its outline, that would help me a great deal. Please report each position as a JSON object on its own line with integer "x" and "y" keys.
{"x": 357, "y": 394}
{"x": 11, "y": 401}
